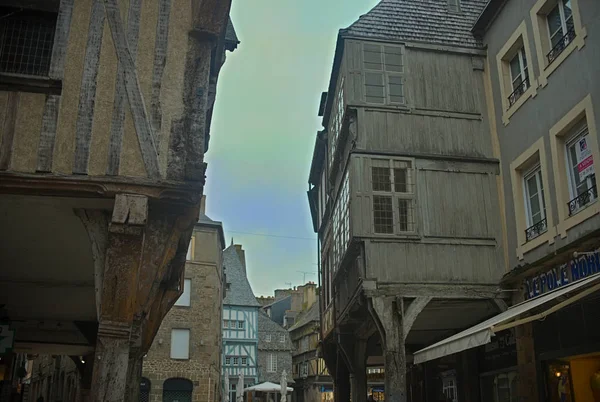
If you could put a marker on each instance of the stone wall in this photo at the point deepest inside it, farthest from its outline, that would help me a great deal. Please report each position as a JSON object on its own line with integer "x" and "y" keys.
{"x": 202, "y": 318}
{"x": 54, "y": 378}
{"x": 284, "y": 362}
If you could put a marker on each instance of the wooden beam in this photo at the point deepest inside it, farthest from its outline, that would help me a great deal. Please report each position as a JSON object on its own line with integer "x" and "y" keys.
{"x": 160, "y": 57}
{"x": 446, "y": 291}
{"x": 8, "y": 128}
{"x": 410, "y": 314}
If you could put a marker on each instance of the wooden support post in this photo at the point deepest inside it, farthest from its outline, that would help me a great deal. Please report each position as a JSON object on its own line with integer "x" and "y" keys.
{"x": 394, "y": 324}
{"x": 341, "y": 381}
{"x": 359, "y": 371}
{"x": 134, "y": 368}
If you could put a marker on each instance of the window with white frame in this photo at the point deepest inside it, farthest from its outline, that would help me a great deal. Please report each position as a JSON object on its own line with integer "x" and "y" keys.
{"x": 393, "y": 196}
{"x": 268, "y": 338}
{"x": 519, "y": 75}
{"x": 271, "y": 363}
{"x": 384, "y": 68}
{"x": 341, "y": 223}
{"x": 580, "y": 169}
{"x": 235, "y": 360}
{"x": 225, "y": 323}
{"x": 185, "y": 298}
{"x": 228, "y": 361}
{"x": 180, "y": 344}
{"x": 449, "y": 388}
{"x": 240, "y": 324}
{"x": 560, "y": 28}
{"x": 244, "y": 361}
{"x": 337, "y": 121}
{"x": 535, "y": 203}
{"x": 304, "y": 369}
{"x": 282, "y": 338}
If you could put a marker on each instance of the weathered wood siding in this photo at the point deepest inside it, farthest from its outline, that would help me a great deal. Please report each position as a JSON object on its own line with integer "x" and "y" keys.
{"x": 117, "y": 107}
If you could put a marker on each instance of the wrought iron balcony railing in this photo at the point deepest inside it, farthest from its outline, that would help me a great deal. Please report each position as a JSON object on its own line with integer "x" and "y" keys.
{"x": 536, "y": 229}
{"x": 582, "y": 200}
{"x": 561, "y": 45}
{"x": 519, "y": 90}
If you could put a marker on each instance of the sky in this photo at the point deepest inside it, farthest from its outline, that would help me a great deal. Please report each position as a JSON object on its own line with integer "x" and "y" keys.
{"x": 263, "y": 133}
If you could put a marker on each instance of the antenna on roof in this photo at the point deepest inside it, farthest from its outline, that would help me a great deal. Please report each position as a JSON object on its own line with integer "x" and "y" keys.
{"x": 289, "y": 283}
{"x": 232, "y": 240}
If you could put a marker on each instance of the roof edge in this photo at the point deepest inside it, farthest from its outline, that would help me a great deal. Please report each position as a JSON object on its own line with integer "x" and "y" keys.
{"x": 487, "y": 16}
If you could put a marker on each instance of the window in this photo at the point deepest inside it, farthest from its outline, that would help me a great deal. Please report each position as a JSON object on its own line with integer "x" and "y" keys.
{"x": 557, "y": 30}
{"x": 282, "y": 338}
{"x": 228, "y": 286}
{"x": 384, "y": 69}
{"x": 271, "y": 363}
{"x": 185, "y": 298}
{"x": 268, "y": 338}
{"x": 180, "y": 344}
{"x": 393, "y": 196}
{"x": 304, "y": 344}
{"x": 535, "y": 204}
{"x": 235, "y": 361}
{"x": 304, "y": 369}
{"x": 225, "y": 324}
{"x": 337, "y": 121}
{"x": 560, "y": 28}
{"x": 244, "y": 361}
{"x": 26, "y": 40}
{"x": 227, "y": 361}
{"x": 240, "y": 324}
{"x": 188, "y": 256}
{"x": 500, "y": 387}
{"x": 517, "y": 83}
{"x": 341, "y": 223}
{"x": 518, "y": 75}
{"x": 580, "y": 170}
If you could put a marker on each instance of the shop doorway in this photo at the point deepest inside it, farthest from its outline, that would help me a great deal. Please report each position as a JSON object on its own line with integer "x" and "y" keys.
{"x": 145, "y": 387}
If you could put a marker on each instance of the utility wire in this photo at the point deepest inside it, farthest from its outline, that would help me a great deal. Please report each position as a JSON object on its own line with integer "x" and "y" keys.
{"x": 275, "y": 236}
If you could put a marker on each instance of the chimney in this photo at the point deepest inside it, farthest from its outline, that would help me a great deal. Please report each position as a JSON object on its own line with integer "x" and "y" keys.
{"x": 203, "y": 205}
{"x": 242, "y": 255}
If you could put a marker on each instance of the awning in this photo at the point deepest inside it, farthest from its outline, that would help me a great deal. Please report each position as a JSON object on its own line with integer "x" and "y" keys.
{"x": 267, "y": 387}
{"x": 482, "y": 333}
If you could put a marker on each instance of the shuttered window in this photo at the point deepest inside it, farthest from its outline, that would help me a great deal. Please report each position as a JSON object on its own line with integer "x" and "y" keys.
{"x": 392, "y": 183}
{"x": 271, "y": 363}
{"x": 384, "y": 74}
{"x": 180, "y": 344}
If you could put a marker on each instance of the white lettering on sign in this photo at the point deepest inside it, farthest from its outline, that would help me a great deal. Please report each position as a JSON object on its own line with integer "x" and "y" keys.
{"x": 7, "y": 339}
{"x": 585, "y": 161}
{"x": 560, "y": 276}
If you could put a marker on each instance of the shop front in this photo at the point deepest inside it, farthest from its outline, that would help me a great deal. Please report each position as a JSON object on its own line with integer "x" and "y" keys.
{"x": 497, "y": 365}
{"x": 326, "y": 392}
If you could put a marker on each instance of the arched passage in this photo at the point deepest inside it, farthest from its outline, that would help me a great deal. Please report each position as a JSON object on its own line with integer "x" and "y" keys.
{"x": 177, "y": 390}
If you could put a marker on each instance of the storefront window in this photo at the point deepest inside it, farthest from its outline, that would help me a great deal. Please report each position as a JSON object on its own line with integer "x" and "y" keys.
{"x": 558, "y": 381}
{"x": 499, "y": 387}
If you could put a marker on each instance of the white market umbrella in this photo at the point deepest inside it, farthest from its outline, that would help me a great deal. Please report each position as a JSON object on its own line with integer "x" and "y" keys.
{"x": 226, "y": 386}
{"x": 267, "y": 387}
{"x": 283, "y": 386}
{"x": 239, "y": 391}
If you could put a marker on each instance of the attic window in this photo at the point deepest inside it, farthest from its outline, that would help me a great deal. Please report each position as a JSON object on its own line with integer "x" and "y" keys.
{"x": 228, "y": 286}
{"x": 454, "y": 5}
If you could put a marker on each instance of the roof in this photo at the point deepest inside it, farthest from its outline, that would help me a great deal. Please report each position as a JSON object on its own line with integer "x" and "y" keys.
{"x": 427, "y": 21}
{"x": 487, "y": 16}
{"x": 204, "y": 220}
{"x": 267, "y": 326}
{"x": 277, "y": 301}
{"x": 240, "y": 292}
{"x": 310, "y": 315}
{"x": 231, "y": 38}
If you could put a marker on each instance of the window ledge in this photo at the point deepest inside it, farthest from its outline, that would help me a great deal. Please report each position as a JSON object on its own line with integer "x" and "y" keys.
{"x": 530, "y": 93}
{"x": 582, "y": 215}
{"x": 578, "y": 43}
{"x": 33, "y": 84}
{"x": 546, "y": 237}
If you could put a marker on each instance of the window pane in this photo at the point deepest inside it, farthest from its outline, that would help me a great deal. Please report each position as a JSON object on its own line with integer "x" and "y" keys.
{"x": 374, "y": 88}
{"x": 515, "y": 72}
{"x": 383, "y": 215}
{"x": 184, "y": 299}
{"x": 405, "y": 215}
{"x": 567, "y": 10}
{"x": 381, "y": 179}
{"x": 393, "y": 58}
{"x": 554, "y": 26}
{"x": 372, "y": 57}
{"x": 180, "y": 344}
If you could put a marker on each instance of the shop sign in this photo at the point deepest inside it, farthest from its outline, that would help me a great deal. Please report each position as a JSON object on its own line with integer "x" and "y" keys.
{"x": 585, "y": 162}
{"x": 560, "y": 276}
{"x": 7, "y": 338}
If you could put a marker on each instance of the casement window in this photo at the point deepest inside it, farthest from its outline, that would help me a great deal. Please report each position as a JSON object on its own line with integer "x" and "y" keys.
{"x": 180, "y": 344}
{"x": 580, "y": 169}
{"x": 281, "y": 338}
{"x": 323, "y": 197}
{"x": 393, "y": 196}
{"x": 336, "y": 122}
{"x": 535, "y": 204}
{"x": 228, "y": 361}
{"x": 519, "y": 76}
{"x": 383, "y": 74}
{"x": 341, "y": 223}
{"x": 244, "y": 361}
{"x": 304, "y": 369}
{"x": 185, "y": 298}
{"x": 271, "y": 363}
{"x": 235, "y": 360}
{"x": 226, "y": 324}
{"x": 26, "y": 41}
{"x": 240, "y": 324}
{"x": 268, "y": 338}
{"x": 561, "y": 29}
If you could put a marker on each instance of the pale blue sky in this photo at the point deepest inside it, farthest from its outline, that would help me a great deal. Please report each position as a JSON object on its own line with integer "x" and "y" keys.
{"x": 264, "y": 128}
